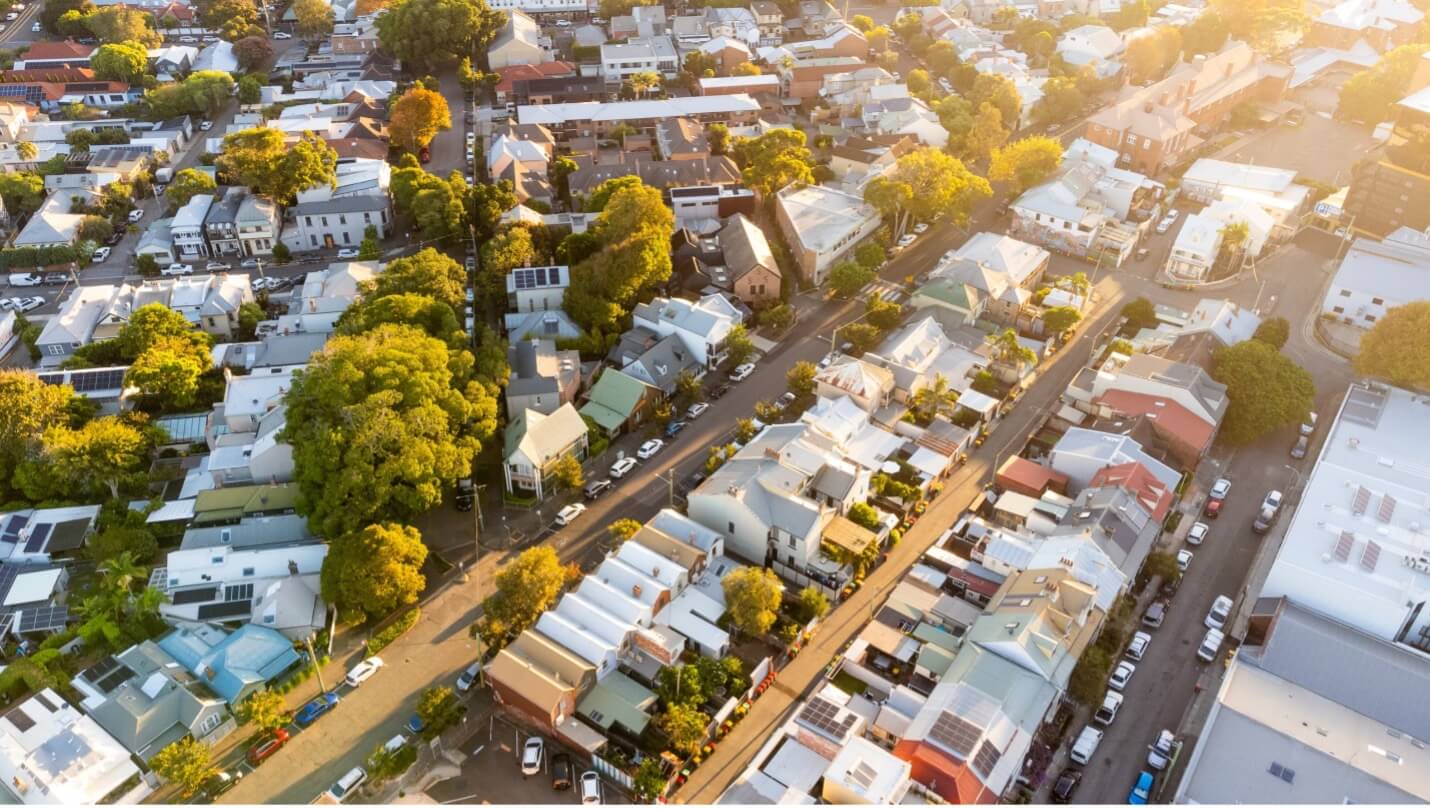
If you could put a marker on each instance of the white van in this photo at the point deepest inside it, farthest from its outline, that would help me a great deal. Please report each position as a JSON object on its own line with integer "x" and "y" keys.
{"x": 25, "y": 279}
{"x": 394, "y": 744}
{"x": 1086, "y": 744}
{"x": 348, "y": 784}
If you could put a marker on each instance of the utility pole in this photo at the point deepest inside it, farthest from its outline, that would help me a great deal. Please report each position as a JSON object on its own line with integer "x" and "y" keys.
{"x": 317, "y": 669}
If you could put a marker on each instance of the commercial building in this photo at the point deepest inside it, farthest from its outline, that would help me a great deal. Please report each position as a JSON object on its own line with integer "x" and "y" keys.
{"x": 1375, "y": 277}
{"x": 822, "y": 225}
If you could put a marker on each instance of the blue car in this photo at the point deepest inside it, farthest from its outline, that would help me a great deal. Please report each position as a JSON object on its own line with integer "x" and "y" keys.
{"x": 1142, "y": 790}
{"x": 673, "y": 428}
{"x": 415, "y": 725}
{"x": 310, "y": 712}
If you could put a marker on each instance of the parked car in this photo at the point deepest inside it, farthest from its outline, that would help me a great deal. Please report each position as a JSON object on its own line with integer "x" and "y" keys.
{"x": 219, "y": 783}
{"x": 1164, "y": 226}
{"x": 1155, "y": 614}
{"x": 1066, "y": 785}
{"x": 114, "y": 238}
{"x": 1086, "y": 745}
{"x": 622, "y": 467}
{"x": 259, "y": 752}
{"x": 1267, "y": 514}
{"x": 1211, "y": 642}
{"x": 1303, "y": 443}
{"x": 1137, "y": 647}
{"x": 311, "y": 712}
{"x": 362, "y": 671}
{"x": 1159, "y": 753}
{"x": 921, "y": 228}
{"x": 282, "y": 35}
{"x": 348, "y": 252}
{"x": 560, "y": 771}
{"x": 532, "y": 754}
{"x": 205, "y": 126}
{"x": 136, "y": 214}
{"x": 692, "y": 481}
{"x": 568, "y": 515}
{"x": 261, "y": 284}
{"x": 177, "y": 269}
{"x": 1184, "y": 560}
{"x": 1219, "y": 613}
{"x": 100, "y": 254}
{"x": 250, "y": 263}
{"x": 1121, "y": 675}
{"x": 57, "y": 278}
{"x": 415, "y": 725}
{"x": 786, "y": 399}
{"x": 348, "y": 784}
{"x": 216, "y": 266}
{"x": 673, "y": 429}
{"x": 719, "y": 390}
{"x": 595, "y": 488}
{"x": 741, "y": 372}
{"x": 469, "y": 677}
{"x": 1142, "y": 790}
{"x": 1111, "y": 702}
{"x": 696, "y": 410}
{"x": 590, "y": 787}
{"x": 905, "y": 240}
{"x": 1198, "y": 533}
{"x": 649, "y": 449}
{"x": 29, "y": 304}
{"x": 1220, "y": 489}
{"x": 1309, "y": 425}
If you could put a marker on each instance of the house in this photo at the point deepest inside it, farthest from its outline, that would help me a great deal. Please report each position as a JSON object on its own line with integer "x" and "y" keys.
{"x": 643, "y": 21}
{"x": 50, "y": 753}
{"x": 1383, "y": 24}
{"x": 186, "y": 229}
{"x": 1188, "y": 385}
{"x": 765, "y": 84}
{"x": 1288, "y": 716}
{"x": 865, "y": 384}
{"x": 1089, "y": 207}
{"x": 220, "y": 224}
{"x": 73, "y": 324}
{"x": 822, "y": 225}
{"x": 744, "y": 264}
{"x": 542, "y": 377}
{"x": 535, "y": 442}
{"x": 718, "y": 171}
{"x": 1154, "y": 127}
{"x": 513, "y": 75}
{"x": 920, "y": 353}
{"x": 991, "y": 276}
{"x": 597, "y": 119}
{"x": 701, "y": 326}
{"x": 654, "y": 360}
{"x": 1251, "y": 192}
{"x": 1186, "y": 436}
{"x": 1022, "y": 476}
{"x": 259, "y": 226}
{"x": 49, "y": 55}
{"x": 619, "y": 401}
{"x": 537, "y": 289}
{"x": 540, "y": 681}
{"x": 231, "y": 664}
{"x": 1375, "y": 277}
{"x": 53, "y": 225}
{"x": 549, "y": 324}
{"x": 517, "y": 42}
{"x": 326, "y": 294}
{"x": 174, "y": 61}
{"x": 1095, "y": 45}
{"x": 33, "y": 592}
{"x": 341, "y": 221}
{"x": 802, "y": 79}
{"x": 522, "y": 162}
{"x": 1081, "y": 453}
{"x": 681, "y": 139}
{"x": 1195, "y": 251}
{"x": 655, "y": 54}
{"x": 770, "y": 20}
{"x": 274, "y": 587}
{"x": 819, "y": 18}
{"x": 146, "y": 701}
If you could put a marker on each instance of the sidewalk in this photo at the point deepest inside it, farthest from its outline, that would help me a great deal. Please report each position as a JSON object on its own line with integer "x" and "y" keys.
{"x": 804, "y": 674}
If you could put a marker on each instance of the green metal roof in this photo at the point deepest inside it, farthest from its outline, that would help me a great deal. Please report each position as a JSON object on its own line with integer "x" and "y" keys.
{"x": 233, "y": 503}
{"x": 928, "y": 633}
{"x": 952, "y": 293}
{"x": 618, "y": 698}
{"x": 935, "y": 659}
{"x": 614, "y": 398}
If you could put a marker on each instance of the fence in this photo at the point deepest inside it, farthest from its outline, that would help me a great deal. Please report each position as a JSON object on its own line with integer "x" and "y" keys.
{"x": 613, "y": 773}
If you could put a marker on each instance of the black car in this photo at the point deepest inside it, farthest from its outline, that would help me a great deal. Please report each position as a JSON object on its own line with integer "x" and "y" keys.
{"x": 596, "y": 488}
{"x": 115, "y": 238}
{"x": 1066, "y": 785}
{"x": 560, "y": 771}
{"x": 720, "y": 390}
{"x": 692, "y": 481}
{"x": 466, "y": 495}
{"x": 57, "y": 278}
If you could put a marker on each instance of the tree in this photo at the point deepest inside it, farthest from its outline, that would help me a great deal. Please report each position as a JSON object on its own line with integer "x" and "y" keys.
{"x": 918, "y": 81}
{"x": 862, "y": 336}
{"x": 685, "y": 725}
{"x": 738, "y": 346}
{"x": 94, "y": 229}
{"x": 864, "y": 515}
{"x": 870, "y": 255}
{"x": 567, "y": 474}
{"x": 147, "y": 326}
{"x": 381, "y": 424}
{"x": 371, "y": 248}
{"x": 812, "y": 603}
{"x": 203, "y": 91}
{"x": 753, "y": 596}
{"x": 643, "y": 82}
{"x": 848, "y": 278}
{"x": 253, "y": 53}
{"x": 262, "y": 159}
{"x": 524, "y": 589}
{"x": 169, "y": 370}
{"x": 1026, "y": 163}
{"x": 314, "y": 18}
{"x": 122, "y": 61}
{"x": 81, "y": 139}
{"x": 113, "y": 24}
{"x": 1397, "y": 348}
{"x": 429, "y": 273}
{"x": 427, "y": 34}
{"x": 1060, "y": 319}
{"x": 187, "y": 763}
{"x": 774, "y": 160}
{"x": 986, "y": 135}
{"x": 377, "y": 569}
{"x": 264, "y": 709}
{"x": 1061, "y": 100}
{"x": 28, "y": 409}
{"x": 250, "y": 90}
{"x": 1140, "y": 314}
{"x": 26, "y": 150}
{"x": 1206, "y": 34}
{"x": 1088, "y": 681}
{"x": 50, "y": 12}
{"x": 622, "y": 530}
{"x": 800, "y": 378}
{"x": 746, "y": 69}
{"x": 941, "y": 57}
{"x": 1265, "y": 24}
{"x": 878, "y": 38}
{"x": 232, "y": 19}
{"x": 439, "y": 708}
{"x": 998, "y": 90}
{"x": 106, "y": 455}
{"x": 862, "y": 22}
{"x": 416, "y": 117}
{"x": 1233, "y": 236}
{"x": 188, "y": 183}
{"x": 934, "y": 398}
{"x": 433, "y": 317}
{"x": 1007, "y": 349}
{"x": 602, "y": 194}
{"x": 1162, "y": 564}
{"x": 926, "y": 185}
{"x": 1265, "y": 390}
{"x": 113, "y": 540}
{"x": 509, "y": 249}
{"x": 881, "y": 314}
{"x": 22, "y": 192}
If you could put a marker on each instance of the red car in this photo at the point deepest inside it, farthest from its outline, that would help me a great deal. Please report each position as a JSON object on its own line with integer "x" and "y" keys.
{"x": 267, "y": 747}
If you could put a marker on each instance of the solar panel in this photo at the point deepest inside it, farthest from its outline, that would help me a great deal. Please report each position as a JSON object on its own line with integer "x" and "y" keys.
{"x": 1387, "y": 508}
{"x": 987, "y": 757}
{"x": 1344, "y": 544}
{"x": 37, "y": 538}
{"x": 955, "y": 733}
{"x": 1370, "y": 556}
{"x": 97, "y": 379}
{"x": 823, "y": 715}
{"x": 224, "y": 609}
{"x": 7, "y": 579}
{"x": 52, "y": 378}
{"x": 43, "y": 619}
{"x": 13, "y": 526}
{"x": 198, "y": 595}
{"x": 45, "y": 701}
{"x": 20, "y": 719}
{"x": 1362, "y": 499}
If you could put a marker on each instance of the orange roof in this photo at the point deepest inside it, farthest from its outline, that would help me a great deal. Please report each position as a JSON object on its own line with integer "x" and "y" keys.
{"x": 1166, "y": 415}
{"x": 1022, "y": 475}
{"x": 952, "y": 780}
{"x": 1152, "y": 493}
{"x": 66, "y": 49}
{"x": 545, "y": 70}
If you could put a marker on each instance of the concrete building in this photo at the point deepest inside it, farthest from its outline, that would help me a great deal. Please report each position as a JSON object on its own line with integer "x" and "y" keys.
{"x": 1375, "y": 277}
{"x": 822, "y": 225}
{"x": 518, "y": 42}
{"x": 50, "y": 753}
{"x": 621, "y": 60}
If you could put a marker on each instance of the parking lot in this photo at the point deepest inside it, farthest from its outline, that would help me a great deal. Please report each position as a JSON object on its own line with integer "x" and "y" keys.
{"x": 492, "y": 772}
{"x": 1326, "y": 148}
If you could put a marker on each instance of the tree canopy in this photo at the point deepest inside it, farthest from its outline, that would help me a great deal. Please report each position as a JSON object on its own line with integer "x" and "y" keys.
{"x": 1397, "y": 349}
{"x": 774, "y": 160}
{"x": 416, "y": 117}
{"x": 261, "y": 159}
{"x": 120, "y": 61}
{"x": 926, "y": 185}
{"x": 188, "y": 183}
{"x": 1265, "y": 390}
{"x": 1025, "y": 163}
{"x": 201, "y": 92}
{"x": 428, "y": 272}
{"x": 753, "y": 595}
{"x": 376, "y": 569}
{"x": 113, "y": 24}
{"x": 1369, "y": 95}
{"x": 428, "y": 34}
{"x": 524, "y": 589}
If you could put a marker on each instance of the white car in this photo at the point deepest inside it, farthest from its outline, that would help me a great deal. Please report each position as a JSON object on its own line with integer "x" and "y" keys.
{"x": 36, "y": 28}
{"x": 1121, "y": 675}
{"x": 348, "y": 784}
{"x": 261, "y": 284}
{"x": 177, "y": 269}
{"x": 1198, "y": 534}
{"x": 1159, "y": 753}
{"x": 1184, "y": 560}
{"x": 348, "y": 252}
{"x": 469, "y": 677}
{"x": 26, "y": 304}
{"x": 1211, "y": 643}
{"x": 136, "y": 214}
{"x": 206, "y": 125}
{"x": 362, "y": 671}
{"x": 623, "y": 467}
{"x": 1219, "y": 613}
{"x": 1111, "y": 702}
{"x": 215, "y": 266}
{"x": 905, "y": 240}
{"x": 11, "y": 17}
{"x": 1309, "y": 425}
{"x": 590, "y": 787}
{"x": 742, "y": 372}
{"x": 649, "y": 449}
{"x": 1164, "y": 225}
{"x": 249, "y": 263}
{"x": 696, "y": 410}
{"x": 568, "y": 515}
{"x": 100, "y": 254}
{"x": 471, "y": 137}
{"x": 282, "y": 35}
{"x": 532, "y": 754}
{"x": 1272, "y": 501}
{"x": 1137, "y": 647}
{"x": 1221, "y": 489}
{"x": 1173, "y": 214}
{"x": 563, "y": 23}
{"x": 188, "y": 40}
{"x": 920, "y": 228}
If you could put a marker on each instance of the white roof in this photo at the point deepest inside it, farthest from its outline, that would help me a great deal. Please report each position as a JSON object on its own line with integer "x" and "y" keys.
{"x": 1225, "y": 174}
{"x": 868, "y": 771}
{"x": 63, "y": 757}
{"x": 1017, "y": 259}
{"x": 763, "y": 80}
{"x": 31, "y": 587}
{"x": 693, "y": 614}
{"x": 256, "y": 394}
{"x": 1199, "y": 236}
{"x": 549, "y": 114}
{"x": 823, "y": 216}
{"x": 1397, "y": 269}
{"x": 193, "y": 213}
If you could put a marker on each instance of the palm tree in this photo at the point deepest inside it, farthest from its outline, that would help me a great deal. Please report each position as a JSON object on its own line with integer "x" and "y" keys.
{"x": 644, "y": 81}
{"x": 122, "y": 571}
{"x": 1007, "y": 349}
{"x": 26, "y": 150}
{"x": 100, "y": 625}
{"x": 934, "y": 397}
{"x": 1080, "y": 284}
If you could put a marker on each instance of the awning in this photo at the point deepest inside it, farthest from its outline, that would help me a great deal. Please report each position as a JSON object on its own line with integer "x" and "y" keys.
{"x": 849, "y": 536}
{"x": 1071, "y": 414}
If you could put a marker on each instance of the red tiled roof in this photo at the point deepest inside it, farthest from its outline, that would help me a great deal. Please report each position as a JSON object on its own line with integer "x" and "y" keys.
{"x": 545, "y": 70}
{"x": 952, "y": 780}
{"x": 359, "y": 147}
{"x": 1166, "y": 415}
{"x": 1022, "y": 475}
{"x": 1152, "y": 493}
{"x": 178, "y": 11}
{"x": 66, "y": 49}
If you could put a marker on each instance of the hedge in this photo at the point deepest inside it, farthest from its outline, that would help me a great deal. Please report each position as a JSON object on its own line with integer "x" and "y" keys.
{"x": 393, "y": 631}
{"x": 28, "y": 257}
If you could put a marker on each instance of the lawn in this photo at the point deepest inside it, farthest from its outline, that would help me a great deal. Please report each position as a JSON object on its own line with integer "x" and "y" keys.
{"x": 849, "y": 684}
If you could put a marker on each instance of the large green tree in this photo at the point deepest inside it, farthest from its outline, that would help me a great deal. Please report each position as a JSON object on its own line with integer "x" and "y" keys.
{"x": 428, "y": 34}
{"x": 187, "y": 184}
{"x": 524, "y": 589}
{"x": 28, "y": 409}
{"x": 428, "y": 272}
{"x": 103, "y": 457}
{"x": 169, "y": 370}
{"x": 376, "y": 569}
{"x": 926, "y": 185}
{"x": 432, "y": 316}
{"x": 753, "y": 595}
{"x": 1397, "y": 349}
{"x": 1369, "y": 95}
{"x": 1264, "y": 388}
{"x": 1024, "y": 163}
{"x": 262, "y": 159}
{"x": 1268, "y": 25}
{"x": 113, "y": 24}
{"x": 120, "y": 61}
{"x": 187, "y": 763}
{"x": 774, "y": 160}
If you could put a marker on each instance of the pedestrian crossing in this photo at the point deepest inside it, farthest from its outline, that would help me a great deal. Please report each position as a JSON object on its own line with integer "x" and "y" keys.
{"x": 884, "y": 291}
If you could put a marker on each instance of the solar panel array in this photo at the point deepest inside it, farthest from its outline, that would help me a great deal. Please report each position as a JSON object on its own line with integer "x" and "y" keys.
{"x": 224, "y": 609}
{"x": 198, "y": 595}
{"x": 987, "y": 757}
{"x": 11, "y": 532}
{"x": 31, "y": 93}
{"x": 823, "y": 715}
{"x": 20, "y": 719}
{"x": 43, "y": 619}
{"x": 7, "y": 579}
{"x": 1387, "y": 508}
{"x": 108, "y": 674}
{"x": 1362, "y": 499}
{"x": 536, "y": 277}
{"x": 955, "y": 733}
{"x": 1370, "y": 556}
{"x": 38, "y": 537}
{"x": 1344, "y": 544}
{"x": 87, "y": 380}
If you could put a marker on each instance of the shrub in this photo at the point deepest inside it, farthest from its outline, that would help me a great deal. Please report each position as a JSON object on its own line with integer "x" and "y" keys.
{"x": 393, "y": 631}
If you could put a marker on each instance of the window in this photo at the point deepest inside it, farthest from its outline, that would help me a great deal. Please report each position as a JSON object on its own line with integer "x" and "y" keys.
{"x": 732, "y": 528}
{"x": 218, "y": 560}
{"x": 210, "y": 722}
{"x": 1345, "y": 293}
{"x": 1340, "y": 310}
{"x": 238, "y": 592}
{"x": 309, "y": 220}
{"x": 1370, "y": 318}
{"x": 325, "y": 221}
{"x": 55, "y": 350}
{"x": 792, "y": 542}
{"x": 1378, "y": 301}
{"x": 248, "y": 571}
{"x": 342, "y": 219}
{"x": 367, "y": 219}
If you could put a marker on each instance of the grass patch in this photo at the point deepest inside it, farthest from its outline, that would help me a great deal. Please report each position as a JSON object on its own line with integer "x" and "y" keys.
{"x": 849, "y": 684}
